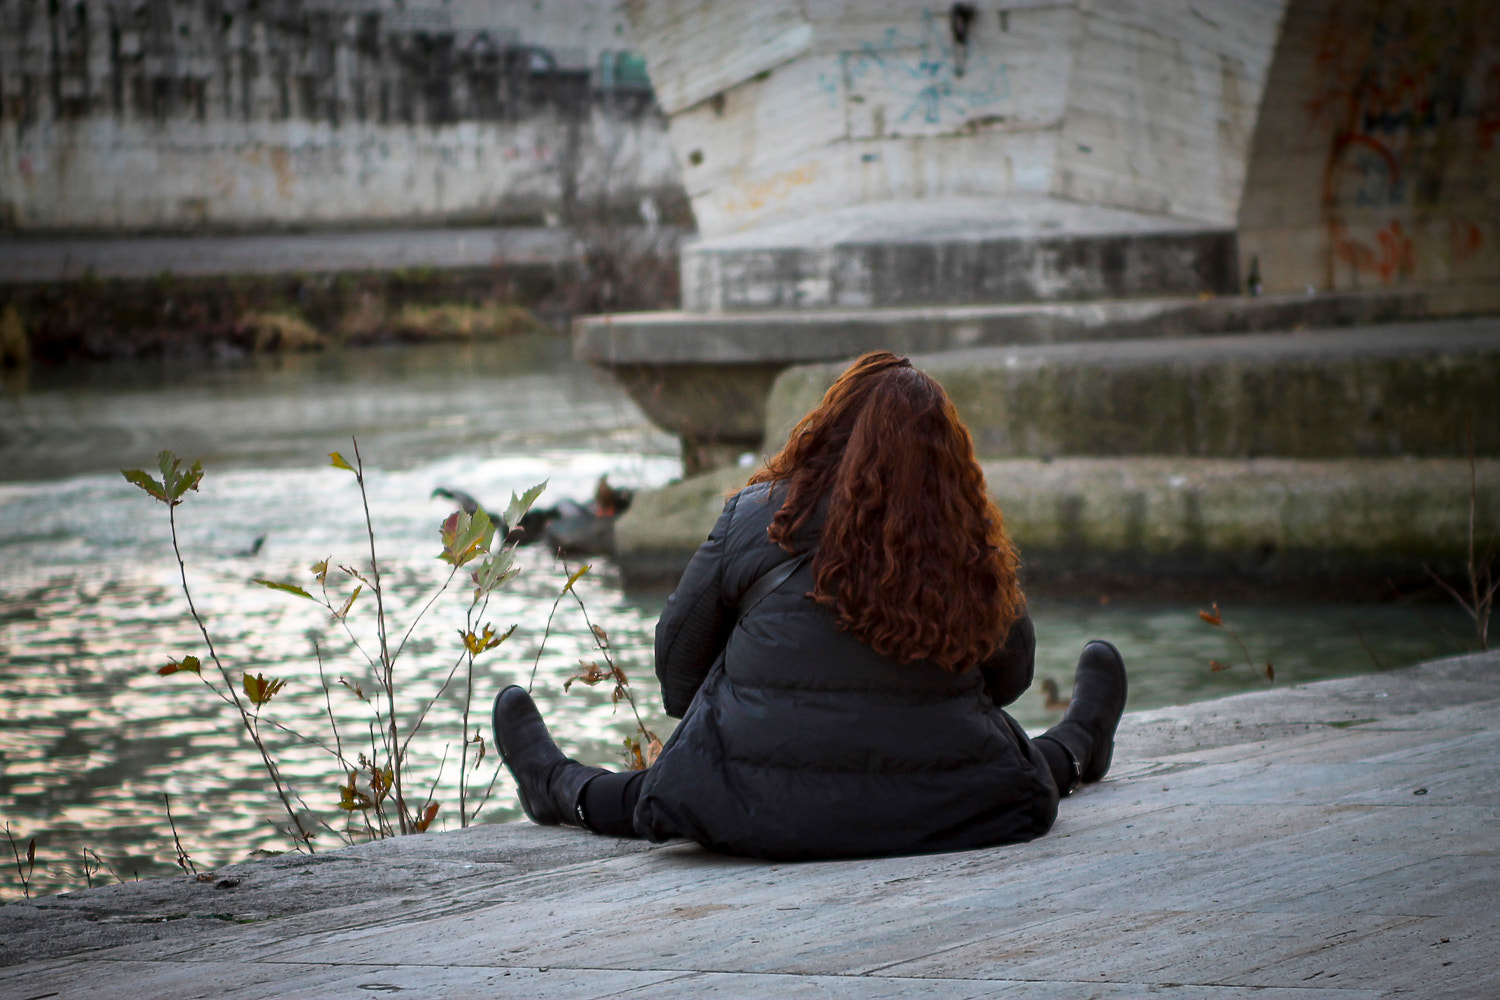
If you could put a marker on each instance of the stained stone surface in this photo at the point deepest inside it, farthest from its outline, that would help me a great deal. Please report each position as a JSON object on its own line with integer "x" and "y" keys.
{"x": 1333, "y": 840}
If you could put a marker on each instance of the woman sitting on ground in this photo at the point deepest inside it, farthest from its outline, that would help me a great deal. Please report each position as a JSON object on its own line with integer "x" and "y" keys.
{"x": 838, "y": 652}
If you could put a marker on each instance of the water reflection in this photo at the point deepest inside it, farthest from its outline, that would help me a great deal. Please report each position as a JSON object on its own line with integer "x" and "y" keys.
{"x": 91, "y": 738}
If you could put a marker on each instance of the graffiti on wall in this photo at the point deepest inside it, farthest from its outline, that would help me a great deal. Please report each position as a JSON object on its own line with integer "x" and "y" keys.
{"x": 1410, "y": 93}
{"x": 925, "y": 78}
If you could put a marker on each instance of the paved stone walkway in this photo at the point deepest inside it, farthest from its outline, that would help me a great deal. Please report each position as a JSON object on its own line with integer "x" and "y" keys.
{"x": 1337, "y": 840}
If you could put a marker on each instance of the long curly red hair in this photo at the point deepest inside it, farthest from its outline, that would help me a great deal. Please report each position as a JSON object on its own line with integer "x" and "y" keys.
{"x": 914, "y": 559}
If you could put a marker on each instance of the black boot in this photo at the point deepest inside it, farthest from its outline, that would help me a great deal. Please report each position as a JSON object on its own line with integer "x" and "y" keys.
{"x": 548, "y": 782}
{"x": 1087, "y": 729}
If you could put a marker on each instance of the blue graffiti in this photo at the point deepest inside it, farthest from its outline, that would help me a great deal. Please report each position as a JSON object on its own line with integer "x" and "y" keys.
{"x": 929, "y": 83}
{"x": 829, "y": 86}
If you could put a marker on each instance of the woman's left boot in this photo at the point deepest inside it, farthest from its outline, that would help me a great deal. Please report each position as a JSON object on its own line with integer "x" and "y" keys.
{"x": 548, "y": 782}
{"x": 1087, "y": 729}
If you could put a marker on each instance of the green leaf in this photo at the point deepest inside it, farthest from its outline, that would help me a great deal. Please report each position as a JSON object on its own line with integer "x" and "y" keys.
{"x": 519, "y": 505}
{"x": 259, "y": 690}
{"x": 290, "y": 588}
{"x": 174, "y": 482}
{"x": 145, "y": 482}
{"x": 493, "y": 572}
{"x": 187, "y": 663}
{"x": 466, "y": 537}
{"x": 339, "y": 462}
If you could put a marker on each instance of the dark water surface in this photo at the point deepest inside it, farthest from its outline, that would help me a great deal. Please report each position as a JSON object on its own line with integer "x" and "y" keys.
{"x": 91, "y": 738}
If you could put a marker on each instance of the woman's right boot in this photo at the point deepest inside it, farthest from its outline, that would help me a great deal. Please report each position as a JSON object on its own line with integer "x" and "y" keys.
{"x": 1087, "y": 729}
{"x": 548, "y": 782}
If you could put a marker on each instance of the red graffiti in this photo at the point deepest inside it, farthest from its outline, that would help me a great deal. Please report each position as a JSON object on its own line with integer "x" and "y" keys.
{"x": 1403, "y": 90}
{"x": 1466, "y": 239}
{"x": 1487, "y": 121}
{"x": 1394, "y": 254}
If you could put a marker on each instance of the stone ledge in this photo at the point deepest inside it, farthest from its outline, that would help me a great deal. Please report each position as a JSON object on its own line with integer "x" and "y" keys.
{"x": 953, "y": 251}
{"x": 1352, "y": 526}
{"x": 1382, "y": 391}
{"x": 791, "y": 337}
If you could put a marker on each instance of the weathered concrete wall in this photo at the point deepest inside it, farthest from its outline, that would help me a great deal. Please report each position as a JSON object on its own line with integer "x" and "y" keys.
{"x": 1351, "y": 142}
{"x": 1139, "y": 104}
{"x": 955, "y": 252}
{"x": 1309, "y": 464}
{"x": 165, "y": 114}
{"x": 1377, "y": 158}
{"x": 1162, "y": 102}
{"x": 1346, "y": 527}
{"x": 1389, "y": 391}
{"x": 781, "y": 108}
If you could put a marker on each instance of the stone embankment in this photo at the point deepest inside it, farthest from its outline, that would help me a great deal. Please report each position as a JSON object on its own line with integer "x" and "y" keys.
{"x": 1329, "y": 461}
{"x": 133, "y": 297}
{"x": 1333, "y": 840}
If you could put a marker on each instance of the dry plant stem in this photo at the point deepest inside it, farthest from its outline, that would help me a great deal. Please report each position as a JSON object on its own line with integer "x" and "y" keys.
{"x": 422, "y": 715}
{"x": 546, "y": 634}
{"x": 463, "y": 749}
{"x": 1482, "y": 586}
{"x": 463, "y": 752}
{"x": 303, "y": 835}
{"x": 183, "y": 861}
{"x": 1249, "y": 661}
{"x": 432, "y": 789}
{"x": 387, "y": 665}
{"x": 471, "y": 620}
{"x": 1363, "y": 642}
{"x": 471, "y": 617}
{"x": 22, "y": 868}
{"x": 595, "y": 631}
{"x": 423, "y": 613}
{"x": 338, "y": 742}
{"x": 338, "y": 749}
{"x": 381, "y": 823}
{"x": 488, "y": 791}
{"x": 100, "y": 866}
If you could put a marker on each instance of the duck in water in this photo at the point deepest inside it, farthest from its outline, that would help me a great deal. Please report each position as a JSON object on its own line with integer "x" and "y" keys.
{"x": 568, "y": 529}
{"x": 1051, "y": 697}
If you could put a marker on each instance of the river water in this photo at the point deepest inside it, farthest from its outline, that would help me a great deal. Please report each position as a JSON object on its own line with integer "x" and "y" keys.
{"x": 92, "y": 738}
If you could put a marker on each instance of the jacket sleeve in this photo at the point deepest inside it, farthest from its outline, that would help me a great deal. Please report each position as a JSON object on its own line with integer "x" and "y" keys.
{"x": 695, "y": 624}
{"x": 1008, "y": 672}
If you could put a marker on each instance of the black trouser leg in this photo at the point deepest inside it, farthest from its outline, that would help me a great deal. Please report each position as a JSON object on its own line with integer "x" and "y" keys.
{"x": 1060, "y": 761}
{"x": 608, "y": 802}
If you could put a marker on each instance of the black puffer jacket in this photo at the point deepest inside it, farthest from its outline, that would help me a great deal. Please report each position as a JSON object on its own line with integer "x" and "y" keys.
{"x": 799, "y": 741}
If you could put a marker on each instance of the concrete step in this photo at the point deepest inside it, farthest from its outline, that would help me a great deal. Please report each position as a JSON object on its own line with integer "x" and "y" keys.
{"x": 1350, "y": 528}
{"x": 1329, "y": 461}
{"x": 705, "y": 376}
{"x": 957, "y": 251}
{"x": 1405, "y": 389}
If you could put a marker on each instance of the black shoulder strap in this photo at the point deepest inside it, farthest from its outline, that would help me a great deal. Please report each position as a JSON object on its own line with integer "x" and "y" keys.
{"x": 771, "y": 579}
